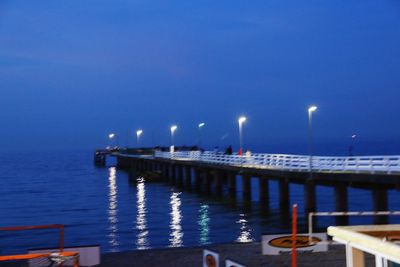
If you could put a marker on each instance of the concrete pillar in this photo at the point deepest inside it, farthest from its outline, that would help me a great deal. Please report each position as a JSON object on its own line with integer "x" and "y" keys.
{"x": 284, "y": 198}
{"x": 172, "y": 179}
{"x": 310, "y": 204}
{"x": 341, "y": 203}
{"x": 246, "y": 179}
{"x": 188, "y": 177}
{"x": 145, "y": 165}
{"x": 264, "y": 193}
{"x": 380, "y": 203}
{"x": 151, "y": 165}
{"x": 207, "y": 182}
{"x": 218, "y": 175}
{"x": 164, "y": 170}
{"x": 198, "y": 180}
{"x": 136, "y": 165}
{"x": 180, "y": 176}
{"x": 155, "y": 166}
{"x": 284, "y": 202}
{"x": 232, "y": 184}
{"x": 141, "y": 165}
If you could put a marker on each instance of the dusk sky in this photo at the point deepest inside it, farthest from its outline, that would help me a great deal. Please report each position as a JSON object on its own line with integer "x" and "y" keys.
{"x": 71, "y": 72}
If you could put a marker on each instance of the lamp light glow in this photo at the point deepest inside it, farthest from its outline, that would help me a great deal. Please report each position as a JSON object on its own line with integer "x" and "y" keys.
{"x": 242, "y": 119}
{"x": 312, "y": 109}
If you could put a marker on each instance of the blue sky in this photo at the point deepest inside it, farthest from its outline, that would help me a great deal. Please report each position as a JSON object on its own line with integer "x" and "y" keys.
{"x": 73, "y": 71}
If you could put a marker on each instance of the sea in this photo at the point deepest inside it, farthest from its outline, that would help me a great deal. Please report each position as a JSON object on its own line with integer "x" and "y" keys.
{"x": 102, "y": 206}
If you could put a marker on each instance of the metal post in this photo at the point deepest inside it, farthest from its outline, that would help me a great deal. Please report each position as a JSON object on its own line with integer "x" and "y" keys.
{"x": 294, "y": 235}
{"x": 310, "y": 141}
{"x": 310, "y": 226}
{"x": 310, "y": 137}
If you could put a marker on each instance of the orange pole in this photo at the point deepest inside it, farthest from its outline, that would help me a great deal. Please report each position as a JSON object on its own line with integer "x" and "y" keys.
{"x": 294, "y": 235}
{"x": 62, "y": 238}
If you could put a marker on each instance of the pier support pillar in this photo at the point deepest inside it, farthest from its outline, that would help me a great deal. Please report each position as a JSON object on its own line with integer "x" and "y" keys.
{"x": 188, "y": 178}
{"x": 172, "y": 179}
{"x": 180, "y": 176}
{"x": 380, "y": 202}
{"x": 152, "y": 165}
{"x": 264, "y": 194}
{"x": 142, "y": 165}
{"x": 165, "y": 172}
{"x": 207, "y": 182}
{"x": 310, "y": 204}
{"x": 218, "y": 182}
{"x": 232, "y": 184}
{"x": 284, "y": 195}
{"x": 198, "y": 180}
{"x": 284, "y": 201}
{"x": 145, "y": 167}
{"x": 137, "y": 165}
{"x": 341, "y": 203}
{"x": 246, "y": 179}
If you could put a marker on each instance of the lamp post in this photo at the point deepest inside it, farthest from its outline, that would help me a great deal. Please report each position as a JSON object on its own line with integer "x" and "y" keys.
{"x": 311, "y": 109}
{"x": 173, "y": 129}
{"x": 200, "y": 126}
{"x": 111, "y": 136}
{"x": 241, "y": 120}
{"x": 351, "y": 147}
{"x": 138, "y": 134}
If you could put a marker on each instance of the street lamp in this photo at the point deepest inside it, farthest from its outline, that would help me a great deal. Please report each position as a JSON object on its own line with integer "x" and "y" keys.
{"x": 241, "y": 120}
{"x": 173, "y": 129}
{"x": 201, "y": 125}
{"x": 351, "y": 147}
{"x": 311, "y": 109}
{"x": 111, "y": 136}
{"x": 138, "y": 134}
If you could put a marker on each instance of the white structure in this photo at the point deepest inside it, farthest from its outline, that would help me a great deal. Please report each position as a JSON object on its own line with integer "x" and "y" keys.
{"x": 378, "y": 240}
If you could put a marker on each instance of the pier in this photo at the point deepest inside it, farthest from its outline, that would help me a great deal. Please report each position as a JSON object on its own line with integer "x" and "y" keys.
{"x": 211, "y": 173}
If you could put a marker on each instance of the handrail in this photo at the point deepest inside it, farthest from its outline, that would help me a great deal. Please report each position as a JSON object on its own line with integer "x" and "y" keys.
{"x": 365, "y": 164}
{"x": 345, "y": 213}
{"x": 36, "y": 227}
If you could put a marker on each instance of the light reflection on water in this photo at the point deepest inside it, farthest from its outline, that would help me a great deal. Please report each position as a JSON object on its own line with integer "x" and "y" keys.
{"x": 245, "y": 234}
{"x": 141, "y": 221}
{"x": 113, "y": 209}
{"x": 176, "y": 234}
{"x": 106, "y": 211}
{"x": 204, "y": 224}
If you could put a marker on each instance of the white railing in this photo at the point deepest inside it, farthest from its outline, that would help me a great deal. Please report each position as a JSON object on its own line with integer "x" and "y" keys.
{"x": 365, "y": 164}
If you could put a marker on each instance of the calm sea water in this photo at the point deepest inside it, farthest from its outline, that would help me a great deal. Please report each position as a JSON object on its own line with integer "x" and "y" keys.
{"x": 101, "y": 206}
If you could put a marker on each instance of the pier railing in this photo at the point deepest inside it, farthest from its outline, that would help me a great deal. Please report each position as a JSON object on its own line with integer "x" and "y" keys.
{"x": 364, "y": 164}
